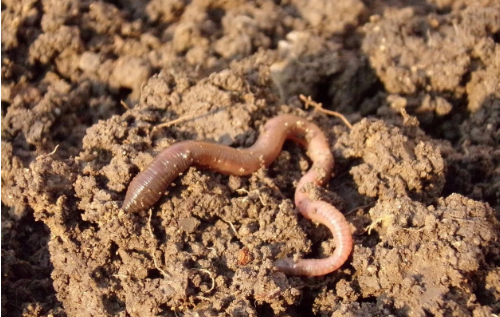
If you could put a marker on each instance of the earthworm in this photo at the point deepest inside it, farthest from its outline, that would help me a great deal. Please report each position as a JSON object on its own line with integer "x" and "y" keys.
{"x": 149, "y": 185}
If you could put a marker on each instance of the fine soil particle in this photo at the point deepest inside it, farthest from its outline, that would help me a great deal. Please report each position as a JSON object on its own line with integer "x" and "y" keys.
{"x": 89, "y": 93}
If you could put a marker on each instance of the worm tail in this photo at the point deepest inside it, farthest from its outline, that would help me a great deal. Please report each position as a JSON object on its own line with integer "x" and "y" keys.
{"x": 332, "y": 218}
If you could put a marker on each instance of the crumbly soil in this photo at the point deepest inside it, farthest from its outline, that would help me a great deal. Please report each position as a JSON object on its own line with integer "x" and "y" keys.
{"x": 89, "y": 89}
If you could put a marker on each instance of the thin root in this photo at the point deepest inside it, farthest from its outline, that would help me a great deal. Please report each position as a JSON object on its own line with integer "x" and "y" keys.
{"x": 211, "y": 277}
{"x": 124, "y": 105}
{"x": 149, "y": 223}
{"x": 358, "y": 208}
{"x": 178, "y": 120}
{"x": 55, "y": 150}
{"x": 244, "y": 191}
{"x": 308, "y": 102}
{"x": 120, "y": 275}
{"x": 232, "y": 226}
{"x": 165, "y": 274}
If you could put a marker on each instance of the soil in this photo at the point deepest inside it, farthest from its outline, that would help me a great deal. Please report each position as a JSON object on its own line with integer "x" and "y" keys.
{"x": 89, "y": 90}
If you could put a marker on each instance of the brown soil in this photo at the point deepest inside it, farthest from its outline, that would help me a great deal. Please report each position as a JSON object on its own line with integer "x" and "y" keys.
{"x": 87, "y": 85}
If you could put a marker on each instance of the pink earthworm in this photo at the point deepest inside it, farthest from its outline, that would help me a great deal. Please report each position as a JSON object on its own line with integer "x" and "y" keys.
{"x": 149, "y": 185}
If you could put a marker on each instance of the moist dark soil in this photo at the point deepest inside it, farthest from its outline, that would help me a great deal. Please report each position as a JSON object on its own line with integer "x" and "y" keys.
{"x": 90, "y": 90}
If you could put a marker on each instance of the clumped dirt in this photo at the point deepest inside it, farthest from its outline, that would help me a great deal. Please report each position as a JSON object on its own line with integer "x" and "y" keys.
{"x": 89, "y": 90}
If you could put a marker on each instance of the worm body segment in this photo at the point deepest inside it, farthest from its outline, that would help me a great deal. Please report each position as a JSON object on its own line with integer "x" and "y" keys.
{"x": 149, "y": 185}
